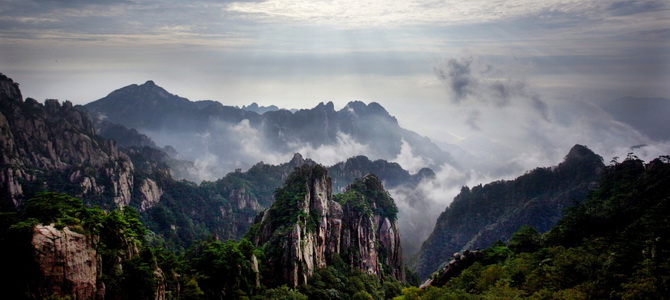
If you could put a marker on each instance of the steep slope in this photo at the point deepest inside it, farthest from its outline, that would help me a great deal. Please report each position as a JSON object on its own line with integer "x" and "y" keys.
{"x": 306, "y": 228}
{"x": 484, "y": 214}
{"x": 613, "y": 245}
{"x": 57, "y": 145}
{"x": 230, "y": 138}
{"x": 54, "y": 147}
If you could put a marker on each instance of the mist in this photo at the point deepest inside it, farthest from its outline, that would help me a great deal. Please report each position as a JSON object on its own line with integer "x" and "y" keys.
{"x": 507, "y": 127}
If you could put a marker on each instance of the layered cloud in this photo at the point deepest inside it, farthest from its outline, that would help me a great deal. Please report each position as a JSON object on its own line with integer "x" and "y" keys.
{"x": 352, "y": 13}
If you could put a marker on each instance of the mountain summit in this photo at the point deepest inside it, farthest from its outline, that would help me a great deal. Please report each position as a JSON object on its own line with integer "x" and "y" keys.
{"x": 231, "y": 138}
{"x": 307, "y": 228}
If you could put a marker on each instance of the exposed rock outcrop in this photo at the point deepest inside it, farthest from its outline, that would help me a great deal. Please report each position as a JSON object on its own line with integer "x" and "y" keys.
{"x": 54, "y": 143}
{"x": 68, "y": 263}
{"x": 456, "y": 265}
{"x": 306, "y": 227}
{"x": 150, "y": 194}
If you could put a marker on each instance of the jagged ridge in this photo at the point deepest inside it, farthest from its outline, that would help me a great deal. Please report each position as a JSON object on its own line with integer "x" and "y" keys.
{"x": 484, "y": 214}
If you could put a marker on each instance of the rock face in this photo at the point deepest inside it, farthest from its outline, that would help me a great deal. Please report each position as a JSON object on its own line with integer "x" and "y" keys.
{"x": 480, "y": 216}
{"x": 54, "y": 143}
{"x": 150, "y": 194}
{"x": 305, "y": 228}
{"x": 68, "y": 263}
{"x": 456, "y": 265}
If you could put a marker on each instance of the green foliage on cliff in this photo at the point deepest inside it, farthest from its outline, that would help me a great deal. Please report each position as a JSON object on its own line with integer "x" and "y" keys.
{"x": 288, "y": 207}
{"x": 61, "y": 210}
{"x": 222, "y": 269}
{"x": 342, "y": 282}
{"x": 368, "y": 195}
{"x": 614, "y": 245}
{"x": 483, "y": 214}
{"x": 126, "y": 261}
{"x": 355, "y": 200}
{"x": 209, "y": 269}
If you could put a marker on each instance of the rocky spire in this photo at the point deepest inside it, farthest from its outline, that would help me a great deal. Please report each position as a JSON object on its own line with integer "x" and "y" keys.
{"x": 306, "y": 226}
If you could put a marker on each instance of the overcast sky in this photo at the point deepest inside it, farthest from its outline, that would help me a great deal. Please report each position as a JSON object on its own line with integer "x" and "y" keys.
{"x": 511, "y": 75}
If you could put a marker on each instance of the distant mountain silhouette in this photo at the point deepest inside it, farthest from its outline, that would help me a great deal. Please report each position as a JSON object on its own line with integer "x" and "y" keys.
{"x": 260, "y": 109}
{"x": 232, "y": 138}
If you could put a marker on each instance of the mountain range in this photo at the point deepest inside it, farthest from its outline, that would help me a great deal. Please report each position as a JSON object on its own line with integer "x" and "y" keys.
{"x": 327, "y": 225}
{"x": 55, "y": 147}
{"x": 221, "y": 138}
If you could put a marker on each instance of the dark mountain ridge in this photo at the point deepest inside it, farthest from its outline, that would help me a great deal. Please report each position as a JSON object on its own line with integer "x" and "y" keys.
{"x": 613, "y": 245}
{"x": 482, "y": 215}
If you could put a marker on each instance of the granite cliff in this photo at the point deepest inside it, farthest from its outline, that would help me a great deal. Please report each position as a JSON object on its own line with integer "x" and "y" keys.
{"x": 54, "y": 146}
{"x": 306, "y": 227}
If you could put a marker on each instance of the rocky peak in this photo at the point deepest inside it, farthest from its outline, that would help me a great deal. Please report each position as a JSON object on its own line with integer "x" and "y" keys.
{"x": 41, "y": 142}
{"x": 371, "y": 109}
{"x": 329, "y": 107}
{"x": 580, "y": 153}
{"x": 306, "y": 226}
{"x": 9, "y": 90}
{"x": 297, "y": 160}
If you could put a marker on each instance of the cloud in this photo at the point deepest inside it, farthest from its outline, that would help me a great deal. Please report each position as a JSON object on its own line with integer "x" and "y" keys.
{"x": 470, "y": 82}
{"x": 329, "y": 154}
{"x": 409, "y": 161}
{"x": 419, "y": 207}
{"x": 456, "y": 75}
{"x": 224, "y": 146}
{"x": 632, "y": 7}
{"x": 395, "y": 13}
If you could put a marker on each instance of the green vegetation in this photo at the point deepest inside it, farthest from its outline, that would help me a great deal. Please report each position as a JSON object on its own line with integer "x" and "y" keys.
{"x": 119, "y": 234}
{"x": 614, "y": 245}
{"x": 355, "y": 200}
{"x": 342, "y": 282}
{"x": 220, "y": 270}
{"x": 368, "y": 196}
{"x": 483, "y": 214}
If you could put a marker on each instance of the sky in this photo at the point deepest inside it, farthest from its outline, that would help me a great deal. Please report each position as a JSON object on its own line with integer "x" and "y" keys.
{"x": 480, "y": 74}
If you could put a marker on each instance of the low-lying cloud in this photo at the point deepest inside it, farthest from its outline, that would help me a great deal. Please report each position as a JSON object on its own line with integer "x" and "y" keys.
{"x": 224, "y": 147}
{"x": 419, "y": 207}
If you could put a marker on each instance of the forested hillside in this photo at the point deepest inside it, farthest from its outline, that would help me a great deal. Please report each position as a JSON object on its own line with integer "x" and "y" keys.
{"x": 614, "y": 245}
{"x": 55, "y": 247}
{"x": 483, "y": 214}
